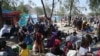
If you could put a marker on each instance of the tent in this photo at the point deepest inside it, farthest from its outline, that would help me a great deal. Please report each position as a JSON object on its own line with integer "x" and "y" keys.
{"x": 26, "y": 17}
{"x": 8, "y": 13}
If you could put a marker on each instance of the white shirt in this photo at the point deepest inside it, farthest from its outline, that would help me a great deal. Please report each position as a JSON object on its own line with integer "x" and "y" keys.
{"x": 95, "y": 25}
{"x": 3, "y": 30}
{"x": 72, "y": 53}
{"x": 50, "y": 54}
{"x": 82, "y": 51}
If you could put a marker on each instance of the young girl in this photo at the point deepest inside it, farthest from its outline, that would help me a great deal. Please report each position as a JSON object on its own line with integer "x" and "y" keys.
{"x": 23, "y": 50}
{"x": 38, "y": 45}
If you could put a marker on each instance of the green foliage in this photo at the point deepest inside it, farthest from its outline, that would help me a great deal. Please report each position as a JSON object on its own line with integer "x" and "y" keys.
{"x": 39, "y": 10}
{"x": 95, "y": 6}
{"x": 61, "y": 11}
{"x": 71, "y": 6}
{"x": 22, "y": 8}
{"x": 12, "y": 5}
{"x": 5, "y": 4}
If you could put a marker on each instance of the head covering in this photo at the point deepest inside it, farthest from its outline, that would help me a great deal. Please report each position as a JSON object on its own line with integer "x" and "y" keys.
{"x": 4, "y": 26}
{"x": 57, "y": 41}
{"x": 3, "y": 30}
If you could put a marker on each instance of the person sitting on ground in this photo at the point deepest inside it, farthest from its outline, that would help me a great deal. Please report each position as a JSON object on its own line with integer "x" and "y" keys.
{"x": 23, "y": 51}
{"x": 14, "y": 30}
{"x": 4, "y": 31}
{"x": 2, "y": 52}
{"x": 84, "y": 47}
{"x": 84, "y": 26}
{"x": 56, "y": 49}
{"x": 30, "y": 27}
{"x": 20, "y": 36}
{"x": 89, "y": 38}
{"x": 51, "y": 40}
{"x": 68, "y": 46}
{"x": 88, "y": 28}
{"x": 7, "y": 49}
{"x": 27, "y": 38}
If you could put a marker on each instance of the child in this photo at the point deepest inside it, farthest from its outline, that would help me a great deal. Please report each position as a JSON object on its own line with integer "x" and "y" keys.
{"x": 56, "y": 48}
{"x": 23, "y": 50}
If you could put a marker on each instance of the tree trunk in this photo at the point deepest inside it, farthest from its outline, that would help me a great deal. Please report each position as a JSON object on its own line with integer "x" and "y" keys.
{"x": 98, "y": 32}
{"x": 70, "y": 11}
{"x": 52, "y": 9}
{"x": 44, "y": 9}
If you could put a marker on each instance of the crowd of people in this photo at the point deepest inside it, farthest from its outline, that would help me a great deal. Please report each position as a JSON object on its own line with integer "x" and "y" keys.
{"x": 46, "y": 38}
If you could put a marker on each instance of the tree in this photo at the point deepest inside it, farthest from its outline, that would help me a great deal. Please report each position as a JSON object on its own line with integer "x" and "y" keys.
{"x": 44, "y": 9}
{"x": 10, "y": 4}
{"x": 24, "y": 8}
{"x": 39, "y": 10}
{"x": 53, "y": 4}
{"x": 61, "y": 11}
{"x": 70, "y": 5}
{"x": 95, "y": 6}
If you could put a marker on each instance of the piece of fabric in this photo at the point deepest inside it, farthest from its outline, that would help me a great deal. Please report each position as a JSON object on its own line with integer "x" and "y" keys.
{"x": 23, "y": 20}
{"x": 72, "y": 53}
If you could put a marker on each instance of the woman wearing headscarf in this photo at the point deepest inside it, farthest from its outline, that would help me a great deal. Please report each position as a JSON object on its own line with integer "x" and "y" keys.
{"x": 4, "y": 31}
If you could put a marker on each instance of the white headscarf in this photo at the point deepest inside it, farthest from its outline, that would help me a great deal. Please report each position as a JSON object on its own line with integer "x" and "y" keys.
{"x": 3, "y": 30}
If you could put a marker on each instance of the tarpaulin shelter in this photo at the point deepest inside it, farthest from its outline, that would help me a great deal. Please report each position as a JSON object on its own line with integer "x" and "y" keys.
{"x": 10, "y": 17}
{"x": 23, "y": 20}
